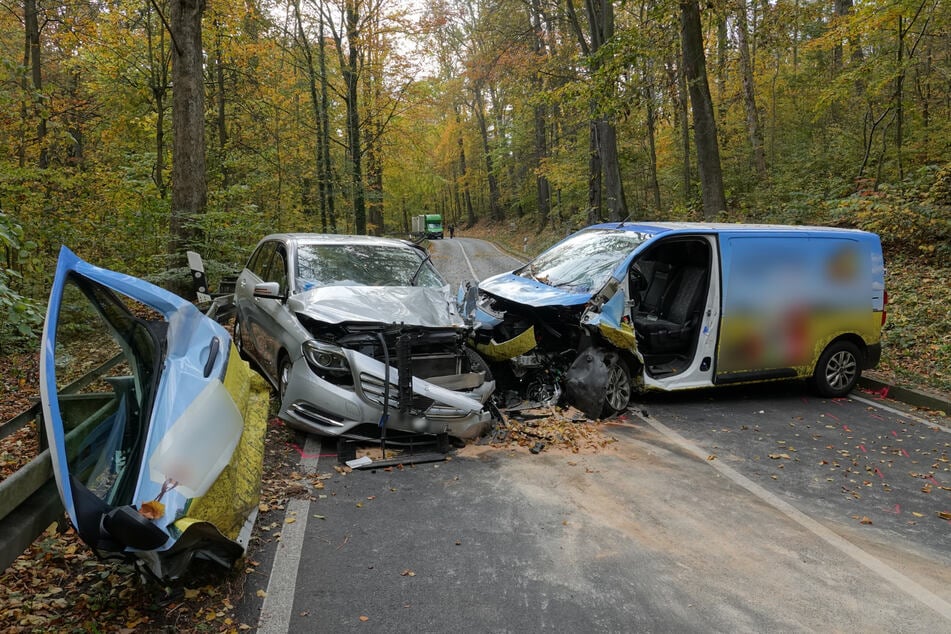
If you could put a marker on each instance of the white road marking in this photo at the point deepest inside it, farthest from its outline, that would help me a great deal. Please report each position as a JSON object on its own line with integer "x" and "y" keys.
{"x": 879, "y": 405}
{"x": 278, "y": 604}
{"x": 883, "y": 570}
{"x": 468, "y": 263}
{"x": 508, "y": 255}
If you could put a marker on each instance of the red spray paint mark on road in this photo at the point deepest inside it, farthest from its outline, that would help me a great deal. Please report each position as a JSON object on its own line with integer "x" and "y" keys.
{"x": 895, "y": 511}
{"x": 833, "y": 417}
{"x": 846, "y": 428}
{"x": 905, "y": 453}
{"x": 862, "y": 447}
{"x": 307, "y": 456}
{"x": 876, "y": 417}
{"x": 880, "y": 475}
{"x": 894, "y": 433}
{"x": 933, "y": 481}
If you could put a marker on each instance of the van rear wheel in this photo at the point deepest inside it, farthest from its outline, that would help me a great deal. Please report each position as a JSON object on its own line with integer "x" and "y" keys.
{"x": 838, "y": 369}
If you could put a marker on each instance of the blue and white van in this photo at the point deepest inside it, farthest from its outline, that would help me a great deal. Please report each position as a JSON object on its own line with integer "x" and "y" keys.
{"x": 671, "y": 306}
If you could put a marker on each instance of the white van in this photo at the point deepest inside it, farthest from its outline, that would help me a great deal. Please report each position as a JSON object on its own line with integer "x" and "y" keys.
{"x": 670, "y": 306}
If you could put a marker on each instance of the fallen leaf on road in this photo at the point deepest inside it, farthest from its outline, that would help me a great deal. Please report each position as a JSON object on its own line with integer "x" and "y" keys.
{"x": 407, "y": 573}
{"x": 780, "y": 456}
{"x": 944, "y": 515}
{"x": 364, "y": 618}
{"x": 261, "y": 593}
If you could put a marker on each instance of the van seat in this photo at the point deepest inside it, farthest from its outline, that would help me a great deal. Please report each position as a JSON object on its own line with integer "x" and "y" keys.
{"x": 670, "y": 329}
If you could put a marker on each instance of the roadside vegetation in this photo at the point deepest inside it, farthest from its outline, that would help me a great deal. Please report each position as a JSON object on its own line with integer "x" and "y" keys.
{"x": 517, "y": 122}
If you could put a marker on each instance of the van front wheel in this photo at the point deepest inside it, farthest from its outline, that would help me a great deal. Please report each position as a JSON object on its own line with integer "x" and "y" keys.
{"x": 838, "y": 370}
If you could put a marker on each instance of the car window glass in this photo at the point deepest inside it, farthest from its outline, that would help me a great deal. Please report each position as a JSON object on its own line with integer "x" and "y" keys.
{"x": 277, "y": 272}
{"x": 261, "y": 259}
{"x": 363, "y": 265}
{"x": 585, "y": 261}
{"x": 107, "y": 358}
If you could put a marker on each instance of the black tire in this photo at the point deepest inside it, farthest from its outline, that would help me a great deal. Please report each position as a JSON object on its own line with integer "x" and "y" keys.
{"x": 283, "y": 374}
{"x": 617, "y": 391}
{"x": 477, "y": 363}
{"x": 238, "y": 339}
{"x": 838, "y": 369}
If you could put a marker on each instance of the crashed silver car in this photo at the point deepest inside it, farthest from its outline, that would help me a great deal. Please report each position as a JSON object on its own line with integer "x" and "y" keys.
{"x": 361, "y": 338}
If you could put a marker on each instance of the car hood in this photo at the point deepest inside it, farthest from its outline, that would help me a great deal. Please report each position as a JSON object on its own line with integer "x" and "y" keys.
{"x": 409, "y": 305}
{"x": 530, "y": 292}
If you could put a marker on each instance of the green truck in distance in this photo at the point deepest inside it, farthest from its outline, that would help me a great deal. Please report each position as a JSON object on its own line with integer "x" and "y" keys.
{"x": 427, "y": 226}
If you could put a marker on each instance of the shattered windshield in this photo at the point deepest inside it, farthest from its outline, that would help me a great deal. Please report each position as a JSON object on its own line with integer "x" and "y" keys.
{"x": 363, "y": 265}
{"x": 585, "y": 261}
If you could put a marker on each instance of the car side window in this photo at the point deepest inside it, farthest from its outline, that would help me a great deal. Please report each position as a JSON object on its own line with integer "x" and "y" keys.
{"x": 260, "y": 260}
{"x": 278, "y": 269}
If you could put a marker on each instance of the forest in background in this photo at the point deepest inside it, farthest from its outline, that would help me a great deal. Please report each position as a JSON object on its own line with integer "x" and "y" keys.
{"x": 350, "y": 116}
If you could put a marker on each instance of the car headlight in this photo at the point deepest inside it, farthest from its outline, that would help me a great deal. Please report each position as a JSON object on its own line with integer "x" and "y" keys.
{"x": 324, "y": 357}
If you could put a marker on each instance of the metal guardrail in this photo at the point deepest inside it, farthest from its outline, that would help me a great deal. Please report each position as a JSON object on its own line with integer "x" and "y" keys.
{"x": 29, "y": 501}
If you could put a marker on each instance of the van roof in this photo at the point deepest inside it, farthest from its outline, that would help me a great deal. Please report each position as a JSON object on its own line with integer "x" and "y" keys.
{"x": 718, "y": 227}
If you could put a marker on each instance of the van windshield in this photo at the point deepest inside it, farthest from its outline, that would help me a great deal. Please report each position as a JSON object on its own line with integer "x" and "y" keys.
{"x": 585, "y": 261}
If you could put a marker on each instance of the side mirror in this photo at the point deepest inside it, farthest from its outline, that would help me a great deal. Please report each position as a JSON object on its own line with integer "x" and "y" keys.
{"x": 268, "y": 290}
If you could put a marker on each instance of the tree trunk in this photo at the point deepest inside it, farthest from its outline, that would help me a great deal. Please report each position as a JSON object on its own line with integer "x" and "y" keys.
{"x": 350, "y": 75}
{"x": 704, "y": 123}
{"x": 158, "y": 84}
{"x": 189, "y": 187}
{"x": 495, "y": 209}
{"x": 651, "y": 144}
{"x": 32, "y": 60}
{"x": 325, "y": 184}
{"x": 220, "y": 119}
{"x": 749, "y": 97}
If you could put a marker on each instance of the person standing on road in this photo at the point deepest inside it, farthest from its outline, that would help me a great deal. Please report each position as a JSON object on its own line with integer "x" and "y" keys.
{"x": 452, "y": 231}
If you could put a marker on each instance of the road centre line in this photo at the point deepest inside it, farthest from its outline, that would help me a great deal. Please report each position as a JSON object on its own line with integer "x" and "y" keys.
{"x": 468, "y": 263}
{"x": 877, "y": 404}
{"x": 883, "y": 570}
{"x": 278, "y": 604}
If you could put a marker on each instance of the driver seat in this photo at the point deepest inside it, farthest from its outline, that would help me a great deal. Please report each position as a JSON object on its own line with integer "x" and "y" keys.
{"x": 670, "y": 329}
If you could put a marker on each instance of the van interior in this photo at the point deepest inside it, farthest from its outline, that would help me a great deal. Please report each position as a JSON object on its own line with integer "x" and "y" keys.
{"x": 668, "y": 286}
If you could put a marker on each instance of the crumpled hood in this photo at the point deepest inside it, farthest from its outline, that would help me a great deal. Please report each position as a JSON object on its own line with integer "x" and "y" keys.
{"x": 410, "y": 305}
{"x": 531, "y": 292}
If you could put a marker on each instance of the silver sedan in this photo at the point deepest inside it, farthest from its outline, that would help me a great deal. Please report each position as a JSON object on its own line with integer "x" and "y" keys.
{"x": 360, "y": 336}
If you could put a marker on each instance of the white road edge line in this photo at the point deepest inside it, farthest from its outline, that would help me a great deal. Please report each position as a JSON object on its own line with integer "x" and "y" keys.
{"x": 883, "y": 570}
{"x": 278, "y": 604}
{"x": 508, "y": 255}
{"x": 893, "y": 410}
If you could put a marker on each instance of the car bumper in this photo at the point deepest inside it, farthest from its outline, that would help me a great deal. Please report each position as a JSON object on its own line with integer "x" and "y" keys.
{"x": 315, "y": 405}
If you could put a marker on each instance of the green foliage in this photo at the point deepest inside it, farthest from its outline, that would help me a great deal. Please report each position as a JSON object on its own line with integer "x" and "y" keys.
{"x": 21, "y": 315}
{"x": 914, "y": 221}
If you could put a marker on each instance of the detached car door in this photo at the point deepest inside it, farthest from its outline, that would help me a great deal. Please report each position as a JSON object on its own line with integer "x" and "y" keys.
{"x": 139, "y": 419}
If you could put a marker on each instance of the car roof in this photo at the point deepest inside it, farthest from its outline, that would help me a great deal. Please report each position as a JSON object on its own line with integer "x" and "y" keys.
{"x": 337, "y": 239}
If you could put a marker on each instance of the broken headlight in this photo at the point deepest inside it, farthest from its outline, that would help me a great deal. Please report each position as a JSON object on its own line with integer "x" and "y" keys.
{"x": 326, "y": 360}
{"x": 489, "y": 305}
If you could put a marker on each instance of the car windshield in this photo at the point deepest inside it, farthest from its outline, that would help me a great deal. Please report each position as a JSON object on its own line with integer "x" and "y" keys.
{"x": 585, "y": 261}
{"x": 363, "y": 265}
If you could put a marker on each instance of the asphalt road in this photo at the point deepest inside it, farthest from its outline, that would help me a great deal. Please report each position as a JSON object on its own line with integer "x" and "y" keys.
{"x": 754, "y": 509}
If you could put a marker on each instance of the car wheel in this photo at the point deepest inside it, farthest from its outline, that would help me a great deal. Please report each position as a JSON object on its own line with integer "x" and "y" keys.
{"x": 477, "y": 363}
{"x": 238, "y": 341}
{"x": 838, "y": 369}
{"x": 283, "y": 375}
{"x": 617, "y": 393}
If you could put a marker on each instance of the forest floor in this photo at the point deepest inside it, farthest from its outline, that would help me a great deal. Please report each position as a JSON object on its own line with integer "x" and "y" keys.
{"x": 58, "y": 585}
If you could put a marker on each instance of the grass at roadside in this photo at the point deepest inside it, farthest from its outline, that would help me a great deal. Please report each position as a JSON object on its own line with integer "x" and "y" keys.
{"x": 917, "y": 335}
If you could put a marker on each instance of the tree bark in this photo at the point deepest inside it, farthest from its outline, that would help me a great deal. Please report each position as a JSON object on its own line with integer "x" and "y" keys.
{"x": 189, "y": 187}
{"x": 753, "y": 129}
{"x": 32, "y": 60}
{"x": 704, "y": 123}
{"x": 495, "y": 209}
